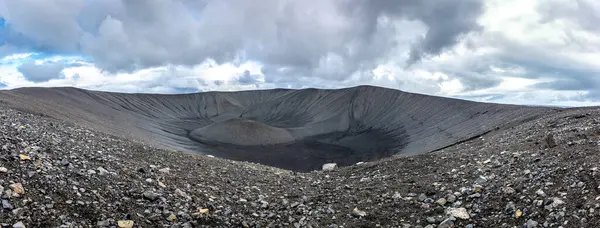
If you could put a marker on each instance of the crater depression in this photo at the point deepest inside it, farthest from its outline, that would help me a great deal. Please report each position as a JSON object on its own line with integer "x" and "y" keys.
{"x": 291, "y": 129}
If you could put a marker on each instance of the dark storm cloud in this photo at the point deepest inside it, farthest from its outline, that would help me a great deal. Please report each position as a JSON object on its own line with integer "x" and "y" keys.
{"x": 570, "y": 84}
{"x": 41, "y": 72}
{"x": 43, "y": 25}
{"x": 473, "y": 72}
{"x": 474, "y": 80}
{"x": 565, "y": 74}
{"x": 314, "y": 38}
{"x": 446, "y": 21}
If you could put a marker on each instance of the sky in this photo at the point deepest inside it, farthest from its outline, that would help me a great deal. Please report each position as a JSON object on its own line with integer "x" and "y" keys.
{"x": 535, "y": 52}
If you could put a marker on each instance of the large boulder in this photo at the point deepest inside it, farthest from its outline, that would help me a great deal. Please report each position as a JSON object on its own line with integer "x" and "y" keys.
{"x": 329, "y": 166}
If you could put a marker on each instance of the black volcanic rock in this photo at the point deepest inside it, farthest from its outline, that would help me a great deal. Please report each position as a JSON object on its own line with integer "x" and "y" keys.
{"x": 292, "y": 129}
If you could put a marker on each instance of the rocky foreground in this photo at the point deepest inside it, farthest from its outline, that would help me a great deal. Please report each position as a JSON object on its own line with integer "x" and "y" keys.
{"x": 543, "y": 173}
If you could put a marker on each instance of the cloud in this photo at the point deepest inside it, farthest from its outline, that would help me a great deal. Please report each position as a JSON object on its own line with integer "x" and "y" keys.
{"x": 41, "y": 72}
{"x": 218, "y": 82}
{"x": 511, "y": 51}
{"x": 43, "y": 25}
{"x": 330, "y": 39}
{"x": 446, "y": 20}
{"x": 248, "y": 79}
{"x": 582, "y": 13}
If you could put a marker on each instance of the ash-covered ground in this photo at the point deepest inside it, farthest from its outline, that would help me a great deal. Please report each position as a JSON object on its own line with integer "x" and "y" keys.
{"x": 541, "y": 173}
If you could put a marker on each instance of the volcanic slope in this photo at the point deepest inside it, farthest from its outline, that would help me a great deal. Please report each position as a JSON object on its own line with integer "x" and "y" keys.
{"x": 542, "y": 173}
{"x": 291, "y": 129}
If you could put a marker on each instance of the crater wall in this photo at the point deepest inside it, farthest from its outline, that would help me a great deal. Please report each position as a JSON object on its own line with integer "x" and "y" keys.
{"x": 292, "y": 129}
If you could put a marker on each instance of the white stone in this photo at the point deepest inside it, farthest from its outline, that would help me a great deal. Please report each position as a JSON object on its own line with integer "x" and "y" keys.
{"x": 19, "y": 225}
{"x": 460, "y": 213}
{"x": 540, "y": 192}
{"x": 102, "y": 171}
{"x": 329, "y": 166}
{"x": 359, "y": 213}
{"x": 164, "y": 170}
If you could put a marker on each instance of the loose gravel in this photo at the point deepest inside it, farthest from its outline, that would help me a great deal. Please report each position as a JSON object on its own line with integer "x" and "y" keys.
{"x": 543, "y": 173}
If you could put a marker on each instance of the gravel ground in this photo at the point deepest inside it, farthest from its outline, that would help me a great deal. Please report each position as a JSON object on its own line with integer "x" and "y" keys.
{"x": 542, "y": 173}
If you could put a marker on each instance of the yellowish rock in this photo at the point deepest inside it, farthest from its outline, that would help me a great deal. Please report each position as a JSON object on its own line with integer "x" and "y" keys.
{"x": 24, "y": 157}
{"x": 18, "y": 188}
{"x": 172, "y": 218}
{"x": 201, "y": 211}
{"x": 125, "y": 223}
{"x": 518, "y": 213}
{"x": 477, "y": 188}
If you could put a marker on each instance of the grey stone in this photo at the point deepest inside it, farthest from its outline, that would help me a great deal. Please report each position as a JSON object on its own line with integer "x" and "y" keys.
{"x": 428, "y": 201}
{"x": 510, "y": 208}
{"x": 19, "y": 225}
{"x": 431, "y": 220}
{"x": 447, "y": 223}
{"x": 7, "y": 205}
{"x": 540, "y": 192}
{"x": 550, "y": 142}
{"x": 508, "y": 190}
{"x": 451, "y": 198}
{"x": 151, "y": 195}
{"x": 481, "y": 180}
{"x": 476, "y": 195}
{"x": 441, "y": 201}
{"x": 103, "y": 223}
{"x": 17, "y": 212}
{"x": 329, "y": 166}
{"x": 531, "y": 224}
